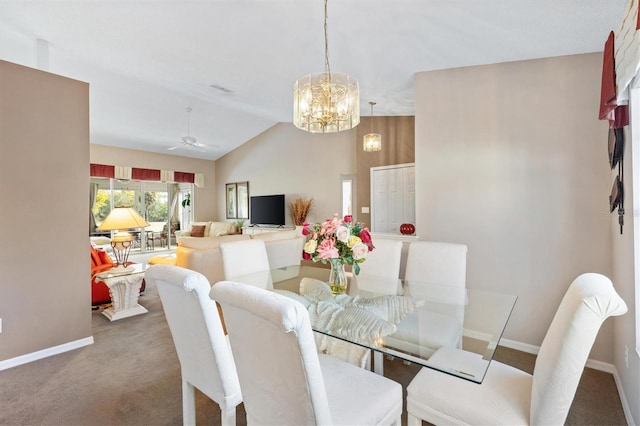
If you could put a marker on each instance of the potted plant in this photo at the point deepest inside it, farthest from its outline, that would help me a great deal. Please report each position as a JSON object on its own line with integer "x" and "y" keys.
{"x": 187, "y": 200}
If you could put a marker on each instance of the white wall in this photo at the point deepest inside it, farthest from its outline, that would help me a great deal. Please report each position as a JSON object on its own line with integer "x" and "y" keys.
{"x": 286, "y": 160}
{"x": 511, "y": 160}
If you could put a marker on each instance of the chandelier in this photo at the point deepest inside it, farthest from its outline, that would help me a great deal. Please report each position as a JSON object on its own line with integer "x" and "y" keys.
{"x": 326, "y": 102}
{"x": 372, "y": 141}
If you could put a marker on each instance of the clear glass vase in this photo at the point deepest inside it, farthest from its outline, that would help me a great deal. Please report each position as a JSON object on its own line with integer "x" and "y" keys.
{"x": 337, "y": 277}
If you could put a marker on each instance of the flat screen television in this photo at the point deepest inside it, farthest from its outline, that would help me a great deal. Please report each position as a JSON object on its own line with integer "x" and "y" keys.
{"x": 267, "y": 210}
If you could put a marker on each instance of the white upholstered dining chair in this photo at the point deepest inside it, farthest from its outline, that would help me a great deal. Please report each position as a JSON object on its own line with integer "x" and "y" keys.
{"x": 440, "y": 321}
{"x": 206, "y": 361}
{"x": 437, "y": 262}
{"x": 284, "y": 380}
{"x": 381, "y": 263}
{"x": 246, "y": 258}
{"x": 380, "y": 274}
{"x": 508, "y": 396}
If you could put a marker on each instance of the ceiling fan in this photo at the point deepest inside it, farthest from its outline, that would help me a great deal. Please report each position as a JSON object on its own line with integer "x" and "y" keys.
{"x": 190, "y": 142}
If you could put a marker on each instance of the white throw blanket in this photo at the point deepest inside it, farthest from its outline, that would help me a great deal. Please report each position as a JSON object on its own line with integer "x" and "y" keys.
{"x": 356, "y": 318}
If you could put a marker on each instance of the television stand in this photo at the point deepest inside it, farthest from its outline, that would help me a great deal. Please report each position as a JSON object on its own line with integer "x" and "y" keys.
{"x": 258, "y": 229}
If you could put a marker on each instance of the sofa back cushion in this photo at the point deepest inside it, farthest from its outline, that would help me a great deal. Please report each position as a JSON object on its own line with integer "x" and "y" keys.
{"x": 208, "y": 243}
{"x": 222, "y": 228}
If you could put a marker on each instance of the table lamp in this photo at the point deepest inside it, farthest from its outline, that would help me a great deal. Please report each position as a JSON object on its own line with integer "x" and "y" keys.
{"x": 121, "y": 219}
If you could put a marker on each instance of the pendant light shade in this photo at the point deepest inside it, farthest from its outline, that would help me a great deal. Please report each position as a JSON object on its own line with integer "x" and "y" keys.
{"x": 372, "y": 141}
{"x": 326, "y": 102}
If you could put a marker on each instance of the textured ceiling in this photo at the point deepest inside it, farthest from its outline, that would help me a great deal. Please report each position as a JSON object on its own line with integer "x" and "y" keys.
{"x": 234, "y": 62}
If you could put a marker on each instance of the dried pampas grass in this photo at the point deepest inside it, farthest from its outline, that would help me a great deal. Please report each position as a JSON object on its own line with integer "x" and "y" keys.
{"x": 300, "y": 208}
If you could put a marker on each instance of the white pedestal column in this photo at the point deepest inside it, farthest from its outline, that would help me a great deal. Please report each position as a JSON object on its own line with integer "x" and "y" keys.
{"x": 124, "y": 291}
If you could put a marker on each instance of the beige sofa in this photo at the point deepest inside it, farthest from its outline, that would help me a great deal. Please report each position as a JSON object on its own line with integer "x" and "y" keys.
{"x": 211, "y": 229}
{"x": 203, "y": 254}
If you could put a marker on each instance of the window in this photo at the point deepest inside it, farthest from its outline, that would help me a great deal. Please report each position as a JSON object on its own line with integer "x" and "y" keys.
{"x": 348, "y": 189}
{"x": 157, "y": 202}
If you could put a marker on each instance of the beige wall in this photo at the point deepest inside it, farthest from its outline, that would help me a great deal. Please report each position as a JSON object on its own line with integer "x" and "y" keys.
{"x": 44, "y": 168}
{"x": 398, "y": 147}
{"x": 205, "y": 198}
{"x": 286, "y": 160}
{"x": 511, "y": 160}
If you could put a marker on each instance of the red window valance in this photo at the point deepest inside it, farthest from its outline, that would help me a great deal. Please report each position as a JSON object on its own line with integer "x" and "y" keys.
{"x": 184, "y": 177}
{"x": 145, "y": 174}
{"x": 107, "y": 171}
{"x": 102, "y": 170}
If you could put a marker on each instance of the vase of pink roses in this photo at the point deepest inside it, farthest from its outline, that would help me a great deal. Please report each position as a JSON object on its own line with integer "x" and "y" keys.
{"x": 338, "y": 242}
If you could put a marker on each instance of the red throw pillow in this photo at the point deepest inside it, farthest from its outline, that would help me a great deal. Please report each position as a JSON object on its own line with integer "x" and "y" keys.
{"x": 104, "y": 257}
{"x": 197, "y": 230}
{"x": 95, "y": 257}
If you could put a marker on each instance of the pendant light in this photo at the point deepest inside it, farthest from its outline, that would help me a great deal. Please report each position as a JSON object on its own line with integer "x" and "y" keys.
{"x": 326, "y": 102}
{"x": 372, "y": 141}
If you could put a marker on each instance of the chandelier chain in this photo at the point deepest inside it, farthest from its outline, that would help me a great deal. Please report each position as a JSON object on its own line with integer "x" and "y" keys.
{"x": 188, "y": 121}
{"x": 372, "y": 104}
{"x": 326, "y": 42}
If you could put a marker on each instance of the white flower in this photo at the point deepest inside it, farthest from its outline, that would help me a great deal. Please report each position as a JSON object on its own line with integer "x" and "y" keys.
{"x": 360, "y": 251}
{"x": 342, "y": 234}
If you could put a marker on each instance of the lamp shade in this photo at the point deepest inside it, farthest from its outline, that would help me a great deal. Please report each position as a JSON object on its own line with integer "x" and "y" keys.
{"x": 372, "y": 142}
{"x": 326, "y": 103}
{"x": 122, "y": 218}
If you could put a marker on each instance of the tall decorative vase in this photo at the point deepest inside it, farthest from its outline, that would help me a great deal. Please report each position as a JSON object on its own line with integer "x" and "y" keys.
{"x": 337, "y": 277}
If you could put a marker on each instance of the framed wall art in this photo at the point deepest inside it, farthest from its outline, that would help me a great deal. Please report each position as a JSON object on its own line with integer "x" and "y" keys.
{"x": 242, "y": 193}
{"x": 237, "y": 196}
{"x": 232, "y": 206}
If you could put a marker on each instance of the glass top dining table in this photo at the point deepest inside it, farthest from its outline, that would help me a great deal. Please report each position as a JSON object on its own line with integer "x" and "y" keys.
{"x": 451, "y": 329}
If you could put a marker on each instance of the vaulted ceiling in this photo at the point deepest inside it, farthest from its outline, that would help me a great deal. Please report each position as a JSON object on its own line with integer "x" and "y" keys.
{"x": 234, "y": 62}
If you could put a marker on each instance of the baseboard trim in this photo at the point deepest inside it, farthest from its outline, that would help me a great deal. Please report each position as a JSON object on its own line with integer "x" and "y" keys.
{"x": 519, "y": 346}
{"x": 44, "y": 353}
{"x": 596, "y": 365}
{"x": 623, "y": 397}
{"x": 532, "y": 349}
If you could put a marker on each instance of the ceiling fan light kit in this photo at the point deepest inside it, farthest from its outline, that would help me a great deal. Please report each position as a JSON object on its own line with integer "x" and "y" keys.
{"x": 189, "y": 142}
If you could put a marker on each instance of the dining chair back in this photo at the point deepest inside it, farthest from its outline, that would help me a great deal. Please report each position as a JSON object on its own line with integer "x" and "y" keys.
{"x": 246, "y": 258}
{"x": 290, "y": 383}
{"x": 206, "y": 360}
{"x": 437, "y": 262}
{"x": 380, "y": 272}
{"x": 509, "y": 396}
{"x": 440, "y": 320}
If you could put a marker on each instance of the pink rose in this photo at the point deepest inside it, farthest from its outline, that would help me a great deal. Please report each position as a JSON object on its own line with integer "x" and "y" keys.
{"x": 306, "y": 256}
{"x": 327, "y": 249}
{"x": 329, "y": 226}
{"x": 348, "y": 218}
{"x": 305, "y": 231}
